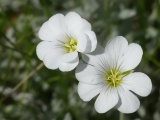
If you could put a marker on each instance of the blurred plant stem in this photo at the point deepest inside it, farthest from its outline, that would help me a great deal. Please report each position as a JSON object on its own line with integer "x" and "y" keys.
{"x": 121, "y": 116}
{"x": 24, "y": 80}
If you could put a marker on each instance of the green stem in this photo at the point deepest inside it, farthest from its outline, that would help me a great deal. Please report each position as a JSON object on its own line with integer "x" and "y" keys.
{"x": 23, "y": 81}
{"x": 121, "y": 116}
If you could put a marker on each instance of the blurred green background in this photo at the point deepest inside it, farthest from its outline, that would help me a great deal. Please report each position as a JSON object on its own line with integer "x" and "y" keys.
{"x": 51, "y": 94}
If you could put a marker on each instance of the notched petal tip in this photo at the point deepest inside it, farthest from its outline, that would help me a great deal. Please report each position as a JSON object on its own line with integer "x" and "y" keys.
{"x": 107, "y": 99}
{"x": 129, "y": 102}
{"x": 132, "y": 57}
{"x": 139, "y": 83}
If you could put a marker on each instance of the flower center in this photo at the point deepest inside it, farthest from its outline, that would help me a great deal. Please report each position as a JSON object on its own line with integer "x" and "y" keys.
{"x": 70, "y": 45}
{"x": 113, "y": 77}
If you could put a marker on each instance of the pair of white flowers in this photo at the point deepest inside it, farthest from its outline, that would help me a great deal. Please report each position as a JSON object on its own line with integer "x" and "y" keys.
{"x": 107, "y": 72}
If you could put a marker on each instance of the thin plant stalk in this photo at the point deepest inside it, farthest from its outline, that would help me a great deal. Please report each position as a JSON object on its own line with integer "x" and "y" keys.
{"x": 24, "y": 80}
{"x": 121, "y": 116}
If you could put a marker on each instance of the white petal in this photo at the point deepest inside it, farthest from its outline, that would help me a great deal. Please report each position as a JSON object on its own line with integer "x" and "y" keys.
{"x": 129, "y": 103}
{"x": 87, "y": 92}
{"x": 56, "y": 25}
{"x": 139, "y": 83}
{"x": 87, "y": 42}
{"x": 52, "y": 58}
{"x": 92, "y": 41}
{"x": 93, "y": 57}
{"x": 74, "y": 23}
{"x": 132, "y": 57}
{"x": 45, "y": 34}
{"x": 86, "y": 25}
{"x": 82, "y": 42}
{"x": 69, "y": 57}
{"x": 68, "y": 66}
{"x": 42, "y": 48}
{"x": 106, "y": 100}
{"x": 115, "y": 50}
{"x": 88, "y": 74}
{"x": 96, "y": 58}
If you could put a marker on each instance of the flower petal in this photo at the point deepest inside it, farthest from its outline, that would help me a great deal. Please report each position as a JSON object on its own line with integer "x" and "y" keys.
{"x": 139, "y": 83}
{"x": 92, "y": 41}
{"x": 44, "y": 33}
{"x": 68, "y": 66}
{"x": 87, "y": 42}
{"x": 115, "y": 49}
{"x": 56, "y": 25}
{"x": 106, "y": 100}
{"x": 69, "y": 57}
{"x": 129, "y": 103}
{"x": 93, "y": 57}
{"x": 86, "y": 25}
{"x": 74, "y": 24}
{"x": 132, "y": 57}
{"x": 88, "y": 74}
{"x": 97, "y": 59}
{"x": 87, "y": 92}
{"x": 52, "y": 58}
{"x": 82, "y": 42}
{"x": 42, "y": 48}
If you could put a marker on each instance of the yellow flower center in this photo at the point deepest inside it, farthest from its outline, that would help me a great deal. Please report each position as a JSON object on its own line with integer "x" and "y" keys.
{"x": 70, "y": 45}
{"x": 113, "y": 77}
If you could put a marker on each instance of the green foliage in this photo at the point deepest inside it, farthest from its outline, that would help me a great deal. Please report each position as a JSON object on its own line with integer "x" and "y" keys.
{"x": 52, "y": 95}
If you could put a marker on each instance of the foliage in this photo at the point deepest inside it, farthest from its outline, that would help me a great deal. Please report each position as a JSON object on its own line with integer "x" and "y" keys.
{"x": 52, "y": 95}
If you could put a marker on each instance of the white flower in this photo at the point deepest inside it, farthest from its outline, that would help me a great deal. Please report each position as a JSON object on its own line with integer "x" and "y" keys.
{"x": 63, "y": 37}
{"x": 111, "y": 76}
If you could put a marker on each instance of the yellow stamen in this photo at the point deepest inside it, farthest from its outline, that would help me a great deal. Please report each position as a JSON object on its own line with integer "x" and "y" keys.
{"x": 113, "y": 77}
{"x": 70, "y": 45}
